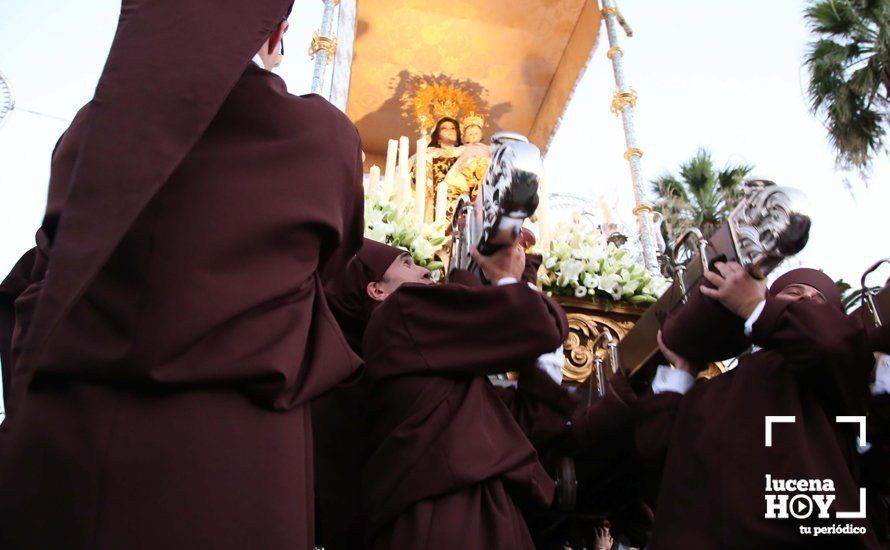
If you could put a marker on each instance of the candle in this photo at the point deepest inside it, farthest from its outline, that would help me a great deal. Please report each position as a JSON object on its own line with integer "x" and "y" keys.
{"x": 390, "y": 175}
{"x": 441, "y": 203}
{"x": 420, "y": 182}
{"x": 404, "y": 189}
{"x": 608, "y": 215}
{"x": 374, "y": 182}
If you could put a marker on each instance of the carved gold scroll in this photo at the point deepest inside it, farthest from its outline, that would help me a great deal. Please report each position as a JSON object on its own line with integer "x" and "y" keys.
{"x": 586, "y": 321}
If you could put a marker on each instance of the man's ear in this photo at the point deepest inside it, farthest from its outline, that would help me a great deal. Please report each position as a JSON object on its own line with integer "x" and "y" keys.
{"x": 276, "y": 36}
{"x": 376, "y": 292}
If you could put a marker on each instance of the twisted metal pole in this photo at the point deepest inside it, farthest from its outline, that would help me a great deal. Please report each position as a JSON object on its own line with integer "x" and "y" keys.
{"x": 623, "y": 102}
{"x": 323, "y": 46}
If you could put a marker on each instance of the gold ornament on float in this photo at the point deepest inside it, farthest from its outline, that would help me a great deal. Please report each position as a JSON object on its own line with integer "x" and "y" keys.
{"x": 429, "y": 98}
{"x": 323, "y": 43}
{"x": 620, "y": 99}
{"x": 472, "y": 119}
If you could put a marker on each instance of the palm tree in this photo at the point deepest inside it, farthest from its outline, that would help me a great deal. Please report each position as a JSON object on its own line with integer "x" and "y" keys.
{"x": 701, "y": 196}
{"x": 851, "y": 298}
{"x": 849, "y": 64}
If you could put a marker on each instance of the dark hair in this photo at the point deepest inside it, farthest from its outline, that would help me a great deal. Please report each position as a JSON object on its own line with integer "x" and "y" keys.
{"x": 434, "y": 138}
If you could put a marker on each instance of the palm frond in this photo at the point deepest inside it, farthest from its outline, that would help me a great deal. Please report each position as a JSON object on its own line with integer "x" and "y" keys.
{"x": 698, "y": 175}
{"x": 833, "y": 17}
{"x": 849, "y": 65}
{"x": 700, "y": 197}
{"x": 669, "y": 186}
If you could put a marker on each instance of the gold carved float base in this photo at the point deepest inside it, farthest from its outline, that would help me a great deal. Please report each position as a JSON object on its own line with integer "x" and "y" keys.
{"x": 587, "y": 320}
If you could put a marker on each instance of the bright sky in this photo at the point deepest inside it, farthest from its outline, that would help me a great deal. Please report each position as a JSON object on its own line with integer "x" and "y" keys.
{"x": 726, "y": 75}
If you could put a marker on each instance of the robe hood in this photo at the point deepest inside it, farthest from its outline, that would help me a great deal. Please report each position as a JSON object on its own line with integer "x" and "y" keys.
{"x": 170, "y": 67}
{"x": 348, "y": 295}
{"x": 810, "y": 277}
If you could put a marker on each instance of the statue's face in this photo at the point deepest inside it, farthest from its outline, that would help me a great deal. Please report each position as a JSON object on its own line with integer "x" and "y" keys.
{"x": 447, "y": 133}
{"x": 473, "y": 134}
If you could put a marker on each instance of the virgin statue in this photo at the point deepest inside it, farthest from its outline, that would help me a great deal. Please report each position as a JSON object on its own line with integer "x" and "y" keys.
{"x": 442, "y": 152}
{"x": 466, "y": 174}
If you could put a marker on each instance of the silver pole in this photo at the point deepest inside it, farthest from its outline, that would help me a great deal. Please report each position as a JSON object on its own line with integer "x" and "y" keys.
{"x": 323, "y": 47}
{"x": 623, "y": 103}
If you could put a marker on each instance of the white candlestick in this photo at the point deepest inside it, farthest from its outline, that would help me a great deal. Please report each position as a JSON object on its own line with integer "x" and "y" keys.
{"x": 390, "y": 175}
{"x": 404, "y": 189}
{"x": 420, "y": 182}
{"x": 441, "y": 203}
{"x": 374, "y": 182}
{"x": 608, "y": 215}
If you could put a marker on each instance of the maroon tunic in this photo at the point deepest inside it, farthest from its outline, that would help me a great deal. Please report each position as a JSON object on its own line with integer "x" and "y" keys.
{"x": 168, "y": 407}
{"x": 451, "y": 465}
{"x": 815, "y": 365}
{"x": 342, "y": 422}
{"x": 621, "y": 443}
{"x": 876, "y": 461}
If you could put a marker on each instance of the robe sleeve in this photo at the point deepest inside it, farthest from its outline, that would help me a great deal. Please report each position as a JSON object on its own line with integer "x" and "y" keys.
{"x": 822, "y": 345}
{"x": 458, "y": 329}
{"x": 532, "y": 264}
{"x": 605, "y": 428}
{"x": 10, "y": 289}
{"x": 875, "y": 466}
{"x": 464, "y": 277}
{"x": 529, "y": 273}
{"x": 654, "y": 418}
{"x": 540, "y": 406}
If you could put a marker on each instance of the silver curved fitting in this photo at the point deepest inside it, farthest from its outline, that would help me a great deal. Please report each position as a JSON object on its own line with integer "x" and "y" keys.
{"x": 606, "y": 339}
{"x": 701, "y": 246}
{"x": 868, "y": 295}
{"x": 771, "y": 223}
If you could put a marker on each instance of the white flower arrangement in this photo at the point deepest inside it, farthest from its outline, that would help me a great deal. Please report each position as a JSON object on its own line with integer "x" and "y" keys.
{"x": 580, "y": 262}
{"x": 389, "y": 224}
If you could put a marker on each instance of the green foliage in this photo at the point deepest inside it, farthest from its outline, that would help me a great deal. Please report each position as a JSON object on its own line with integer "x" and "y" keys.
{"x": 849, "y": 65}
{"x": 851, "y": 298}
{"x": 699, "y": 196}
{"x": 389, "y": 224}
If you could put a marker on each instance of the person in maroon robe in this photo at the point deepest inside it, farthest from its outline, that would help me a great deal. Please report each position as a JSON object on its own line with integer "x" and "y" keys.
{"x": 720, "y": 476}
{"x": 173, "y": 327}
{"x": 618, "y": 445}
{"x": 876, "y": 457}
{"x": 451, "y": 466}
{"x": 341, "y": 418}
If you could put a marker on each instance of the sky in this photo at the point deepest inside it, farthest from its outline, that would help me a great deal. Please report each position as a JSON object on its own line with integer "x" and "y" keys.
{"x": 724, "y": 75}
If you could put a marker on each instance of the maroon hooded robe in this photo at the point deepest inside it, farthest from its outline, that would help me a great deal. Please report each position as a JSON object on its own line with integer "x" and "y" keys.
{"x": 341, "y": 418}
{"x": 620, "y": 445}
{"x": 814, "y": 365}
{"x": 165, "y": 358}
{"x": 451, "y": 464}
{"x": 876, "y": 461}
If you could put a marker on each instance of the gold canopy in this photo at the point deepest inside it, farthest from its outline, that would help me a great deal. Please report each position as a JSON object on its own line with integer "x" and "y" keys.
{"x": 522, "y": 56}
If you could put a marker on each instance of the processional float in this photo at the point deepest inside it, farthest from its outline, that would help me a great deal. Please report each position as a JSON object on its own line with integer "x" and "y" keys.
{"x": 387, "y": 46}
